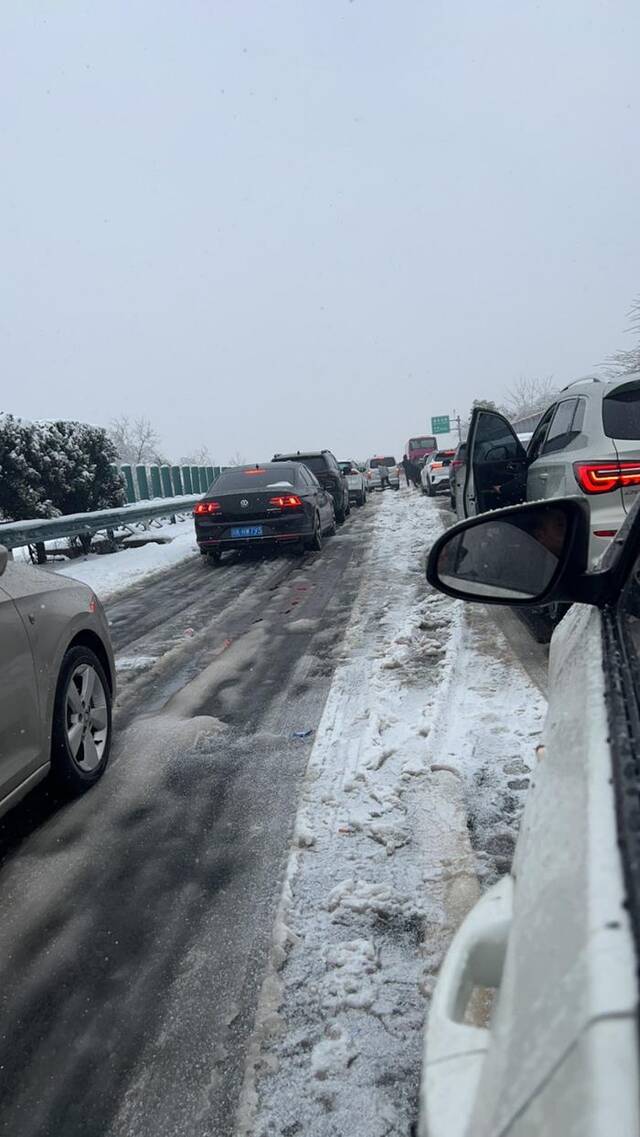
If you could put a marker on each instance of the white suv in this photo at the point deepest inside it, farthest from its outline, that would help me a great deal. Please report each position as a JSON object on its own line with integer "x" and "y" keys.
{"x": 383, "y": 472}
{"x": 586, "y": 443}
{"x": 434, "y": 475}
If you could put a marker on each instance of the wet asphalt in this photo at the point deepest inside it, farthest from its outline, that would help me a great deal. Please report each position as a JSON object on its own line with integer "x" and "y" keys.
{"x": 137, "y": 920}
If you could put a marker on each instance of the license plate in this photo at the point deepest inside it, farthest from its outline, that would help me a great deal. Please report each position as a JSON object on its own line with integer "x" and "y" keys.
{"x": 247, "y": 531}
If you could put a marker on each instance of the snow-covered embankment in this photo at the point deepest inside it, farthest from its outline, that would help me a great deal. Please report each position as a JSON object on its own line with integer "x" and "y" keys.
{"x": 382, "y": 869}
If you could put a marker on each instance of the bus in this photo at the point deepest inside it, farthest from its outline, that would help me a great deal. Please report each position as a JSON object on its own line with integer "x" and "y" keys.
{"x": 420, "y": 447}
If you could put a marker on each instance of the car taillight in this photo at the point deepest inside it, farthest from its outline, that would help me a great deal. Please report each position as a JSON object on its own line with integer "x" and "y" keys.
{"x": 288, "y": 501}
{"x": 603, "y": 477}
{"x": 437, "y": 465}
{"x": 206, "y": 507}
{"x": 456, "y": 465}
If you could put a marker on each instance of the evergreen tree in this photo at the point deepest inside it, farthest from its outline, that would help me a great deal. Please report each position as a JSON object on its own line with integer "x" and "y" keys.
{"x": 47, "y": 469}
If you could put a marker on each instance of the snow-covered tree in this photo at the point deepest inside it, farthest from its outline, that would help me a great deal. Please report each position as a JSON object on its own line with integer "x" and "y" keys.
{"x": 49, "y": 468}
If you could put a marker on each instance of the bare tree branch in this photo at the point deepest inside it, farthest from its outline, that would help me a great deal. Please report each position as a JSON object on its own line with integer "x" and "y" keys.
{"x": 135, "y": 440}
{"x": 530, "y": 395}
{"x": 626, "y": 361}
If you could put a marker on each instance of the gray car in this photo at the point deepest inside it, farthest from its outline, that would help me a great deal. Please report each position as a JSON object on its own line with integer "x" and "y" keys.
{"x": 57, "y": 682}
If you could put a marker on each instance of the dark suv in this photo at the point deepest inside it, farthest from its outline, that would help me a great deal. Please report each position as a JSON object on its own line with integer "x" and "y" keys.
{"x": 326, "y": 469}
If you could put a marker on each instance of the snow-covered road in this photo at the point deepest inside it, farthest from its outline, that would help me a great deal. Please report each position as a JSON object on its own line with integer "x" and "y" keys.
{"x": 427, "y": 735}
{"x": 237, "y": 931}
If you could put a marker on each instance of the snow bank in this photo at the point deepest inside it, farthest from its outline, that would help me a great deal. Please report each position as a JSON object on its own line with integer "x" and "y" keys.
{"x": 381, "y": 870}
{"x": 109, "y": 573}
{"x": 425, "y": 718}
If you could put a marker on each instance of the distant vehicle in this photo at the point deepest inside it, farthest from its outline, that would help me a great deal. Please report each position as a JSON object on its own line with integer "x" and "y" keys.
{"x": 356, "y": 482}
{"x": 420, "y": 447}
{"x": 434, "y": 475}
{"x": 57, "y": 682}
{"x": 555, "y": 944}
{"x": 324, "y": 466}
{"x": 587, "y": 443}
{"x": 266, "y": 504}
{"x": 456, "y": 474}
{"x": 383, "y": 472}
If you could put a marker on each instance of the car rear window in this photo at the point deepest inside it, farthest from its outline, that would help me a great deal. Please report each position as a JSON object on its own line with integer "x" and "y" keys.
{"x": 316, "y": 463}
{"x": 375, "y": 462}
{"x": 427, "y": 443}
{"x": 443, "y": 455}
{"x": 621, "y": 413}
{"x": 254, "y": 478}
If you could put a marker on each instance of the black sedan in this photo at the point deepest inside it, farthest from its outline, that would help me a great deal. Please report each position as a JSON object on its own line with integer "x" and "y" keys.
{"x": 269, "y": 503}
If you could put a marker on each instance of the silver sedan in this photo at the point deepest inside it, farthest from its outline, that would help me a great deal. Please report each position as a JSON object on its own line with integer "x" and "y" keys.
{"x": 57, "y": 681}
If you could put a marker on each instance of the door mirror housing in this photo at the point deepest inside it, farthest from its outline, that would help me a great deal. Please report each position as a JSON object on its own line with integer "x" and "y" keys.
{"x": 523, "y": 555}
{"x": 4, "y": 558}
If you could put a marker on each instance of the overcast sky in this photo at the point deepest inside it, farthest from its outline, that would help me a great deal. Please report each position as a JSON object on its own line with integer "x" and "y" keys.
{"x": 276, "y": 224}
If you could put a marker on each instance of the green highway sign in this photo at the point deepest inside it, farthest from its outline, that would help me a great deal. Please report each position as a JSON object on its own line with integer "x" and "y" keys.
{"x": 440, "y": 424}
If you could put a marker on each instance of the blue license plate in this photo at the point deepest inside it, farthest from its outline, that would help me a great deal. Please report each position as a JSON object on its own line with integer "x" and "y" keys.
{"x": 247, "y": 531}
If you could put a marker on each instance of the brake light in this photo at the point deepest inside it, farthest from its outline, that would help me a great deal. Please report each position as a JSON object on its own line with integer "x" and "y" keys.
{"x": 207, "y": 507}
{"x": 288, "y": 501}
{"x": 604, "y": 477}
{"x": 437, "y": 465}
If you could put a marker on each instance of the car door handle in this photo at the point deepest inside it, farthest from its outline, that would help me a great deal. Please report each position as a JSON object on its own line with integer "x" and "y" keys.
{"x": 475, "y": 959}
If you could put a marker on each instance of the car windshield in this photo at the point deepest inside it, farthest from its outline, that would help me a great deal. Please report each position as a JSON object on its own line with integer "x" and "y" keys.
{"x": 243, "y": 478}
{"x": 347, "y": 468}
{"x": 376, "y": 462}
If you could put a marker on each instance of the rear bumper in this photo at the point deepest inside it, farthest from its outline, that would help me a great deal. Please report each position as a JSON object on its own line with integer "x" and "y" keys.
{"x": 250, "y": 542}
{"x": 275, "y": 531}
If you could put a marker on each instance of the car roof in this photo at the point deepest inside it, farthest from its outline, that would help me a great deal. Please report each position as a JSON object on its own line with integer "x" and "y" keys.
{"x": 297, "y": 454}
{"x": 592, "y": 385}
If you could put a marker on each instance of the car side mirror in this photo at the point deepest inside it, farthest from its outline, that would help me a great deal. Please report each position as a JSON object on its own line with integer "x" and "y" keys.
{"x": 4, "y": 558}
{"x": 525, "y": 554}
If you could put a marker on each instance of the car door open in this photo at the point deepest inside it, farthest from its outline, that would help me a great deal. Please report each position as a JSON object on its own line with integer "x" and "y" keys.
{"x": 496, "y": 471}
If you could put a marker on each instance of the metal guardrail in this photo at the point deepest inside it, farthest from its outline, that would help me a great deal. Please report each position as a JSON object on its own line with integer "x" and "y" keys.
{"x": 14, "y": 534}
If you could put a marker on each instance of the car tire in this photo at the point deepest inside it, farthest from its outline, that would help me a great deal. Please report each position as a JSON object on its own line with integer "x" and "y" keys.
{"x": 81, "y": 729}
{"x": 397, "y": 487}
{"x": 430, "y": 490}
{"x": 315, "y": 540}
{"x": 347, "y": 508}
{"x": 340, "y": 516}
{"x": 213, "y": 558}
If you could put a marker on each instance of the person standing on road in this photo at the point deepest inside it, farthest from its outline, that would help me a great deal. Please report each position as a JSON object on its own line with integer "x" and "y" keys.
{"x": 406, "y": 466}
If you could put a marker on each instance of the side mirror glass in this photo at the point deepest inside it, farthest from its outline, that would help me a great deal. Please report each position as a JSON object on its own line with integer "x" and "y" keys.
{"x": 512, "y": 556}
{"x": 4, "y": 558}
